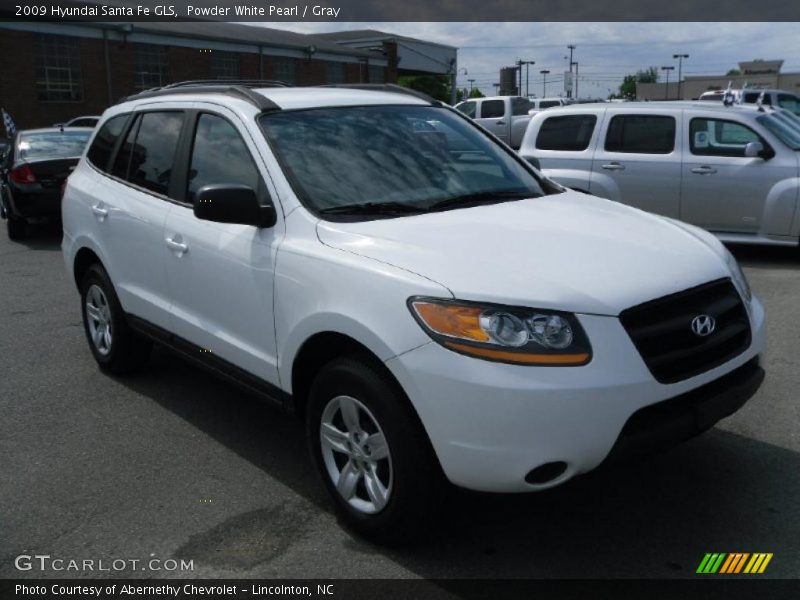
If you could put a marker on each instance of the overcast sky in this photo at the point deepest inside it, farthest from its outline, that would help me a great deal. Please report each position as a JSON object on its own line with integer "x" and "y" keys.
{"x": 605, "y": 51}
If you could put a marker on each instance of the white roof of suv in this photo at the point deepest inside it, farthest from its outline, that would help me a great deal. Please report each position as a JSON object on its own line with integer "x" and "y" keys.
{"x": 289, "y": 98}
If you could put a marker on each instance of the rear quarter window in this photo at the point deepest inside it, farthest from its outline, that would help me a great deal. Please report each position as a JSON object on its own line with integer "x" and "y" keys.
{"x": 567, "y": 133}
{"x": 99, "y": 153}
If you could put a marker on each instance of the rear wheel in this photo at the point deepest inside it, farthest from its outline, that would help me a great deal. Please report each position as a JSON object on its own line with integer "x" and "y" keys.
{"x": 17, "y": 228}
{"x": 372, "y": 452}
{"x": 115, "y": 346}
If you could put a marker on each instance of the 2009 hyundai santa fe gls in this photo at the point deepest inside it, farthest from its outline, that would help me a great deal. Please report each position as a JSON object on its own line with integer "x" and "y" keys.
{"x": 430, "y": 305}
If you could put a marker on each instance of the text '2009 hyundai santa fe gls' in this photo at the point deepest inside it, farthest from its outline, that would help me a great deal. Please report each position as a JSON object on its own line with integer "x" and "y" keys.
{"x": 433, "y": 307}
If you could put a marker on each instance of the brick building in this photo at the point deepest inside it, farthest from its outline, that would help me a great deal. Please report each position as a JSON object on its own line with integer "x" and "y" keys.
{"x": 55, "y": 71}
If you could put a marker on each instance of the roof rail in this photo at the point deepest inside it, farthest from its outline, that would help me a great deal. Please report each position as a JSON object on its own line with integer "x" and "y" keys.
{"x": 385, "y": 87}
{"x": 240, "y": 89}
{"x": 251, "y": 83}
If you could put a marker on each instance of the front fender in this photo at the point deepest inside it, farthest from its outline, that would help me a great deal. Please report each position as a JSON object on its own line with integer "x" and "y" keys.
{"x": 781, "y": 216}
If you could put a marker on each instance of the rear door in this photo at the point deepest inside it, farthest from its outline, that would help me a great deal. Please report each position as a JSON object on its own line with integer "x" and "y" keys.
{"x": 638, "y": 161}
{"x": 130, "y": 206}
{"x": 492, "y": 115}
{"x": 563, "y": 143}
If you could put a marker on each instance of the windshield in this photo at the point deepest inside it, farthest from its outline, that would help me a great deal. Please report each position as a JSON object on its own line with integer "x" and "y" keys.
{"x": 402, "y": 158}
{"x": 52, "y": 144}
{"x": 784, "y": 125}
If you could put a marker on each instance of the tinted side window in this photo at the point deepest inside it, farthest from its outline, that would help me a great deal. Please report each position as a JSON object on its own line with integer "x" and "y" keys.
{"x": 491, "y": 109}
{"x": 571, "y": 133}
{"x": 123, "y": 158}
{"x": 789, "y": 102}
{"x": 520, "y": 106}
{"x": 549, "y": 103}
{"x": 154, "y": 150}
{"x": 642, "y": 134}
{"x": 468, "y": 108}
{"x": 219, "y": 155}
{"x": 714, "y": 137}
{"x": 103, "y": 144}
{"x": 752, "y": 98}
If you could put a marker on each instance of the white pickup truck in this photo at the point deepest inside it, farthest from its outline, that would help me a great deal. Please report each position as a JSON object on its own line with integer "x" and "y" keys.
{"x": 505, "y": 116}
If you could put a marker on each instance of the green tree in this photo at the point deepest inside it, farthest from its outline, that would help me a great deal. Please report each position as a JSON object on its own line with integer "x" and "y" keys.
{"x": 648, "y": 75}
{"x": 476, "y": 93}
{"x": 733, "y": 72}
{"x": 436, "y": 86}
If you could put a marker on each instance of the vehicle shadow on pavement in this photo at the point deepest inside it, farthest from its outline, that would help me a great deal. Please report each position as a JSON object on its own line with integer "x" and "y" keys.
{"x": 773, "y": 257}
{"x": 45, "y": 236}
{"x": 655, "y": 517}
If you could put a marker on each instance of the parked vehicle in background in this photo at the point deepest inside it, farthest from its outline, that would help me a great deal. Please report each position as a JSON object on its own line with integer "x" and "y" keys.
{"x": 431, "y": 314}
{"x": 539, "y": 104}
{"x": 731, "y": 170}
{"x": 506, "y": 117}
{"x": 771, "y": 97}
{"x": 33, "y": 172}
{"x": 87, "y": 121}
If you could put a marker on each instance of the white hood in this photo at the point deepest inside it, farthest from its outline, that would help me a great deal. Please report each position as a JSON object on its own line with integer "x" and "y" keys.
{"x": 568, "y": 251}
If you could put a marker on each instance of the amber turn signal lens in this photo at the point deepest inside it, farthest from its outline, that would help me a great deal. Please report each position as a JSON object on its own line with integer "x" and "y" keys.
{"x": 520, "y": 357}
{"x": 452, "y": 320}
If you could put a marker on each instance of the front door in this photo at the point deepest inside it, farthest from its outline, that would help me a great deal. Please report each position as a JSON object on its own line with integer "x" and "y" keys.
{"x": 221, "y": 275}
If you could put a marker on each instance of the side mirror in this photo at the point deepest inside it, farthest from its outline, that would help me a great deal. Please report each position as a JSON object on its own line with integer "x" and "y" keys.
{"x": 757, "y": 150}
{"x": 533, "y": 111}
{"x": 228, "y": 203}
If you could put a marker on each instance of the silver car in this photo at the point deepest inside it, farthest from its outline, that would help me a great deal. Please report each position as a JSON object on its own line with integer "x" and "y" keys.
{"x": 734, "y": 171}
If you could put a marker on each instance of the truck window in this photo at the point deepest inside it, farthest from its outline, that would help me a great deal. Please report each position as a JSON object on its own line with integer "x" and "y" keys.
{"x": 571, "y": 133}
{"x": 468, "y": 108}
{"x": 520, "y": 106}
{"x": 641, "y": 134}
{"x": 716, "y": 137}
{"x": 752, "y": 98}
{"x": 789, "y": 102}
{"x": 491, "y": 109}
{"x": 549, "y": 103}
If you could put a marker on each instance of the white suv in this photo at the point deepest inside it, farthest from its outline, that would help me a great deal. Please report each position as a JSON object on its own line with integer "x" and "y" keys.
{"x": 433, "y": 308}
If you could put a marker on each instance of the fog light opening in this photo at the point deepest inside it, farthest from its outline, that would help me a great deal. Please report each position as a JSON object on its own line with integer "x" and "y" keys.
{"x": 546, "y": 472}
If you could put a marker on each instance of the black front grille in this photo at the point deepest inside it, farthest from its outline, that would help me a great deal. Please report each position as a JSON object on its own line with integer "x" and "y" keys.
{"x": 662, "y": 331}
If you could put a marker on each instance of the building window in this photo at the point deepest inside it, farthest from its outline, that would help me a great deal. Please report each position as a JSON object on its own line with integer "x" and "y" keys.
{"x": 224, "y": 65}
{"x": 284, "y": 69}
{"x": 150, "y": 66}
{"x": 58, "y": 69}
{"x": 377, "y": 74}
{"x": 334, "y": 72}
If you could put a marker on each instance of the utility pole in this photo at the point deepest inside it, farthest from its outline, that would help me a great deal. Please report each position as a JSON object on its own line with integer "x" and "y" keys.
{"x": 571, "y": 49}
{"x": 576, "y": 76}
{"x": 545, "y": 73}
{"x": 680, "y": 58}
{"x": 471, "y": 81}
{"x": 666, "y": 91}
{"x": 527, "y": 64}
{"x": 496, "y": 88}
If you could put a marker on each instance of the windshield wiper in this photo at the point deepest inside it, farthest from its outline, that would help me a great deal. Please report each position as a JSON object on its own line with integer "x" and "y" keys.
{"x": 374, "y": 208}
{"x": 480, "y": 198}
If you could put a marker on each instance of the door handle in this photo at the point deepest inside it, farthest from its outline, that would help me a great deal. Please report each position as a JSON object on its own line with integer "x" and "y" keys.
{"x": 704, "y": 170}
{"x": 500, "y": 123}
{"x": 613, "y": 166}
{"x": 99, "y": 211}
{"x": 178, "y": 247}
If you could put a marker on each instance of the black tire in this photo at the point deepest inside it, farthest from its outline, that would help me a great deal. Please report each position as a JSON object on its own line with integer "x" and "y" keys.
{"x": 127, "y": 351}
{"x": 17, "y": 228}
{"x": 418, "y": 485}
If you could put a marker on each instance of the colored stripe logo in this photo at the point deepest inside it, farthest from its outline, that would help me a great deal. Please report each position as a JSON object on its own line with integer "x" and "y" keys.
{"x": 734, "y": 563}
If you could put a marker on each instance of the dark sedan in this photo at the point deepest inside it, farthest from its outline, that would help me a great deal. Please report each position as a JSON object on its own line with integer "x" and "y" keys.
{"x": 33, "y": 172}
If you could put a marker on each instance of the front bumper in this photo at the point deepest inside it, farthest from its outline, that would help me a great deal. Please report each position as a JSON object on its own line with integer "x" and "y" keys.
{"x": 491, "y": 423}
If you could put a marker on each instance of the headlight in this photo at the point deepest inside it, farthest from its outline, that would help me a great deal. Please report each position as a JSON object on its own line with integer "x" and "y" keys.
{"x": 738, "y": 276}
{"x": 508, "y": 334}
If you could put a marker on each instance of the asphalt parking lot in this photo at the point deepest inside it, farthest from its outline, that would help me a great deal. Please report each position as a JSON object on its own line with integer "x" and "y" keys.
{"x": 176, "y": 464}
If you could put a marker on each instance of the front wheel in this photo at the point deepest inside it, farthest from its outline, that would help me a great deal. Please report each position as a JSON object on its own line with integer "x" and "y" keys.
{"x": 372, "y": 452}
